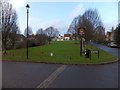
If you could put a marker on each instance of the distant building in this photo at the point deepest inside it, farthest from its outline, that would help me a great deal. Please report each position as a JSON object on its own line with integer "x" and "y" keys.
{"x": 58, "y": 38}
{"x": 110, "y": 35}
{"x": 62, "y": 38}
{"x": 67, "y": 36}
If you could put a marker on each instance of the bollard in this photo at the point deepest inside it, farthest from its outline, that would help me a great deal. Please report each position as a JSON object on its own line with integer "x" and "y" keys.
{"x": 51, "y": 54}
{"x": 87, "y": 54}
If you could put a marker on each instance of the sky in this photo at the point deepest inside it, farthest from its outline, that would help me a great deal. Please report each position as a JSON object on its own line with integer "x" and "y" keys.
{"x": 60, "y": 14}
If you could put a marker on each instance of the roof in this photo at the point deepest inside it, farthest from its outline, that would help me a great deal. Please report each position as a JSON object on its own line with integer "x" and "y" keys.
{"x": 67, "y": 35}
{"x": 109, "y": 33}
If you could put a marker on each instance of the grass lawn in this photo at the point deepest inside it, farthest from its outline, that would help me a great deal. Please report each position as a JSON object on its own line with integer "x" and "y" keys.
{"x": 64, "y": 52}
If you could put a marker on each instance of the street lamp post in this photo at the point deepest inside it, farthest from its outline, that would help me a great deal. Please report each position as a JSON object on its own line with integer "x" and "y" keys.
{"x": 27, "y": 7}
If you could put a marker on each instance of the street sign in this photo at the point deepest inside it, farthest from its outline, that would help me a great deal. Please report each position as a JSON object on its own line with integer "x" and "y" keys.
{"x": 81, "y": 32}
{"x": 96, "y": 52}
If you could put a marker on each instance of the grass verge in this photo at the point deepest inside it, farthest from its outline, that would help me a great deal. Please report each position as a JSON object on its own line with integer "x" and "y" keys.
{"x": 66, "y": 52}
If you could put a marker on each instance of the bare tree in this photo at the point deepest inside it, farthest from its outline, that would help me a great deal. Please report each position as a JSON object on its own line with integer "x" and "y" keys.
{"x": 14, "y": 36}
{"x": 73, "y": 28}
{"x": 29, "y": 31}
{"x": 56, "y": 32}
{"x": 99, "y": 34}
{"x": 39, "y": 31}
{"x": 93, "y": 17}
{"x": 51, "y": 32}
{"x": 88, "y": 33}
{"x": 90, "y": 20}
{"x": 9, "y": 21}
{"x": 40, "y": 39}
{"x": 0, "y": 25}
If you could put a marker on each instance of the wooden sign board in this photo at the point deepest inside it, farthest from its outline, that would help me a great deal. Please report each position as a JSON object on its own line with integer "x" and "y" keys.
{"x": 81, "y": 32}
{"x": 94, "y": 51}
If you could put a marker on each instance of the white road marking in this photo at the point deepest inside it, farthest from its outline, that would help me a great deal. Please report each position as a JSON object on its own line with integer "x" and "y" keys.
{"x": 52, "y": 77}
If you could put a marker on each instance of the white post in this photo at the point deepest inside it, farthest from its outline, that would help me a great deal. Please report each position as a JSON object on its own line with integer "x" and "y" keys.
{"x": 51, "y": 54}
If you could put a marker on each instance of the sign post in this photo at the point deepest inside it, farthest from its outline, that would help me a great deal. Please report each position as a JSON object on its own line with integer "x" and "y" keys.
{"x": 81, "y": 33}
{"x": 96, "y": 52}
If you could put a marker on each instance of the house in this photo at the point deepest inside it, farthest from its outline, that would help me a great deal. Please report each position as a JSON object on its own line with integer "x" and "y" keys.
{"x": 58, "y": 38}
{"x": 67, "y": 36}
{"x": 110, "y": 35}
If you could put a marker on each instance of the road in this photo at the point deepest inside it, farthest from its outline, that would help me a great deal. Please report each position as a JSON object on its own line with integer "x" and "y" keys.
{"x": 38, "y": 75}
{"x": 113, "y": 51}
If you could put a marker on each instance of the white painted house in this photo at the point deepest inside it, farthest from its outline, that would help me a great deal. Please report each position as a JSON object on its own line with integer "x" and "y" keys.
{"x": 58, "y": 38}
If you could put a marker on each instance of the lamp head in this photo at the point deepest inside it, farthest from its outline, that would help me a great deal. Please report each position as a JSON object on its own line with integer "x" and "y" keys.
{"x": 27, "y": 6}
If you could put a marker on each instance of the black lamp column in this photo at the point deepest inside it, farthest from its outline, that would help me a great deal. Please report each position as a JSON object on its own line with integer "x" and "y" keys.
{"x": 27, "y": 7}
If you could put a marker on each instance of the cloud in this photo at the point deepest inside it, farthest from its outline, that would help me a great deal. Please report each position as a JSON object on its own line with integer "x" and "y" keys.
{"x": 73, "y": 0}
{"x": 61, "y": 25}
{"x": 108, "y": 26}
{"x": 35, "y": 23}
{"x": 17, "y": 3}
{"x": 79, "y": 9}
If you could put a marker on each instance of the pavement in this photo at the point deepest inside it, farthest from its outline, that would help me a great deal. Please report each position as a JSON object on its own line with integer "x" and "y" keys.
{"x": 39, "y": 75}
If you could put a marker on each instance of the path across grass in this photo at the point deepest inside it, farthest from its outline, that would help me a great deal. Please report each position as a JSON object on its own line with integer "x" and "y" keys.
{"x": 63, "y": 52}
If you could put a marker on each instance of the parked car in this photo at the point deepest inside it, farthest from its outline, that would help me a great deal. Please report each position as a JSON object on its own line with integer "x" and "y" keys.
{"x": 112, "y": 44}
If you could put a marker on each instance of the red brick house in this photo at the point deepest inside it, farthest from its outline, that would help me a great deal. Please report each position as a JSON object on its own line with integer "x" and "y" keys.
{"x": 67, "y": 36}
